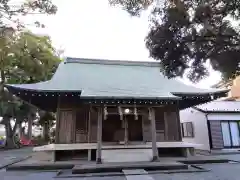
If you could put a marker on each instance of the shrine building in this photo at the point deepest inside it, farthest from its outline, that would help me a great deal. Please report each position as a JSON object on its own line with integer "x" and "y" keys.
{"x": 108, "y": 104}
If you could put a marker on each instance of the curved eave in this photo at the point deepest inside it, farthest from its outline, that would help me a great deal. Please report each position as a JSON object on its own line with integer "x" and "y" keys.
{"x": 206, "y": 93}
{"x": 41, "y": 98}
{"x": 193, "y": 99}
{"x": 47, "y": 99}
{"x": 21, "y": 88}
{"x": 18, "y": 90}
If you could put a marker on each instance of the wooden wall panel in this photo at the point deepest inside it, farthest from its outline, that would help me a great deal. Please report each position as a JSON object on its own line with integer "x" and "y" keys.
{"x": 173, "y": 128}
{"x": 75, "y": 124}
{"x": 160, "y": 124}
{"x": 82, "y": 116}
{"x": 81, "y": 137}
{"x": 66, "y": 126}
{"x": 93, "y": 135}
{"x": 159, "y": 118}
{"x": 147, "y": 136}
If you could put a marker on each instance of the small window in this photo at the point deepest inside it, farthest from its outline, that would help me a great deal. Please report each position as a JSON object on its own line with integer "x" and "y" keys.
{"x": 187, "y": 129}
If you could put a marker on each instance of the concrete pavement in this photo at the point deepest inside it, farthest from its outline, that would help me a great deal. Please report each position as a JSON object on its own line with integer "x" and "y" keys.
{"x": 217, "y": 172}
{"x": 225, "y": 171}
{"x": 14, "y": 155}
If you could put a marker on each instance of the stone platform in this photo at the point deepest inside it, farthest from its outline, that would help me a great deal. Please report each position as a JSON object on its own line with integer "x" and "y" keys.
{"x": 42, "y": 161}
{"x": 88, "y": 150}
{"x": 105, "y": 146}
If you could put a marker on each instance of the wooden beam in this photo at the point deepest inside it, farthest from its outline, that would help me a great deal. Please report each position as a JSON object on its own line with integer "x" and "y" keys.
{"x": 99, "y": 136}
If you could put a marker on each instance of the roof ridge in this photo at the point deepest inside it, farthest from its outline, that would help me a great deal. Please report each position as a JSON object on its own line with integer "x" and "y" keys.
{"x": 111, "y": 62}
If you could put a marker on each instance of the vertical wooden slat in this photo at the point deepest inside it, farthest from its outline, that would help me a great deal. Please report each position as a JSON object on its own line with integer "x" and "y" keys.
{"x": 166, "y": 126}
{"x": 66, "y": 126}
{"x": 146, "y": 128}
{"x": 82, "y": 126}
{"x": 61, "y": 136}
{"x": 74, "y": 126}
{"x": 89, "y": 125}
{"x": 143, "y": 129}
{"x": 93, "y": 120}
{"x": 173, "y": 128}
{"x": 57, "y": 121}
{"x": 160, "y": 124}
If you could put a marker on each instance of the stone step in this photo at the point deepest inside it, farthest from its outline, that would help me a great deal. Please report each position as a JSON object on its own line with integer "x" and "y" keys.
{"x": 130, "y": 174}
{"x": 118, "y": 167}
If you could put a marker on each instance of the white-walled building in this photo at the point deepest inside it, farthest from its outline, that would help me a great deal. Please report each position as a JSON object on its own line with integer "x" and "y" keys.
{"x": 214, "y": 125}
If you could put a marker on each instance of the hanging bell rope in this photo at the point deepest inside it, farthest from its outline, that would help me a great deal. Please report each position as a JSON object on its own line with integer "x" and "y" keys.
{"x": 135, "y": 112}
{"x": 150, "y": 114}
{"x": 105, "y": 112}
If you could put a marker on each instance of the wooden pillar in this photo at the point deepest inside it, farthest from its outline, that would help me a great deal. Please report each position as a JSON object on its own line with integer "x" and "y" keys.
{"x": 165, "y": 125}
{"x": 73, "y": 128}
{"x": 57, "y": 121}
{"x": 89, "y": 124}
{"x": 178, "y": 123}
{"x": 125, "y": 130}
{"x": 154, "y": 134}
{"x": 99, "y": 136}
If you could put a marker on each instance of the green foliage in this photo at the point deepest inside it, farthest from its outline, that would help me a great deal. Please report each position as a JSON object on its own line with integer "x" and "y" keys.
{"x": 28, "y": 59}
{"x": 46, "y": 118}
{"x": 24, "y": 57}
{"x": 186, "y": 34}
{"x": 133, "y": 7}
{"x": 10, "y": 11}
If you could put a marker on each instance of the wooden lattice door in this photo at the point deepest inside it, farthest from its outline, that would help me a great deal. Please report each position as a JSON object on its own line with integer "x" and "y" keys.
{"x": 82, "y": 117}
{"x": 135, "y": 130}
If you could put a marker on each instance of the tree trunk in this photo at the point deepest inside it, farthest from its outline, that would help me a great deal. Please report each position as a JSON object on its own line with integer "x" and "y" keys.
{"x": 30, "y": 123}
{"x": 46, "y": 132}
{"x": 23, "y": 131}
{"x": 20, "y": 130}
{"x": 10, "y": 143}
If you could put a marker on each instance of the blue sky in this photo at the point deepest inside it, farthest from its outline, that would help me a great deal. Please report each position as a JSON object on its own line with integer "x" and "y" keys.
{"x": 93, "y": 29}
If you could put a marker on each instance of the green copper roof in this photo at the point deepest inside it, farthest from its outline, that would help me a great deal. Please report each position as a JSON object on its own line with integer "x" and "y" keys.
{"x": 105, "y": 78}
